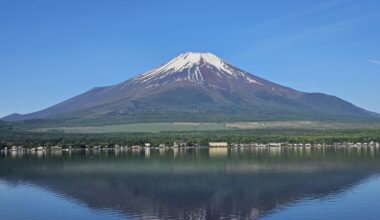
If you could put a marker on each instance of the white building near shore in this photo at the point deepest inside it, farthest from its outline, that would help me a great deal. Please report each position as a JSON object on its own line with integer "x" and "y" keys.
{"x": 218, "y": 144}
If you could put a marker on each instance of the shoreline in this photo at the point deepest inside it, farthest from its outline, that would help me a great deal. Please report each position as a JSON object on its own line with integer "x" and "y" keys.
{"x": 23, "y": 149}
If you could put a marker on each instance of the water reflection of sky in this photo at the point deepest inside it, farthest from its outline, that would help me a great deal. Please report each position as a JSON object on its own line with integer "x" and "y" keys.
{"x": 358, "y": 202}
{"x": 25, "y": 201}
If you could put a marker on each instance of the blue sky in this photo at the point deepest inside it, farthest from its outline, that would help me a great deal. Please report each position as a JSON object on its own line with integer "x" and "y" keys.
{"x": 52, "y": 50}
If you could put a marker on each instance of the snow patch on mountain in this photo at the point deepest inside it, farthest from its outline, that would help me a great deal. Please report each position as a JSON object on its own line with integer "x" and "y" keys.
{"x": 188, "y": 60}
{"x": 190, "y": 66}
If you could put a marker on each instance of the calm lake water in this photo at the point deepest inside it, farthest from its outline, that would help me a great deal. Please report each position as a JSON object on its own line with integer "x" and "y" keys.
{"x": 290, "y": 183}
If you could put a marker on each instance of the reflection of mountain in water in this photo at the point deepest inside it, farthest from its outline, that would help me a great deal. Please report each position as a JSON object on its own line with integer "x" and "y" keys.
{"x": 191, "y": 184}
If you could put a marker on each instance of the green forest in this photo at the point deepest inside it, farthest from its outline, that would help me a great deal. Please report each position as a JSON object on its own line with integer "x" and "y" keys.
{"x": 32, "y": 139}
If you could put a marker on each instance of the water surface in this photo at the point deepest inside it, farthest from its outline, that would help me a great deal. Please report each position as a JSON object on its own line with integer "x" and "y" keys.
{"x": 260, "y": 183}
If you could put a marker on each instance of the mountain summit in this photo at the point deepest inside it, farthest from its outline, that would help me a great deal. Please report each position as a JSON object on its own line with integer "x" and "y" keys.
{"x": 194, "y": 67}
{"x": 197, "y": 87}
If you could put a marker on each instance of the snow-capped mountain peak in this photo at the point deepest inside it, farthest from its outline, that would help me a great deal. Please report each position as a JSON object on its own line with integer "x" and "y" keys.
{"x": 189, "y": 59}
{"x": 193, "y": 67}
{"x": 197, "y": 86}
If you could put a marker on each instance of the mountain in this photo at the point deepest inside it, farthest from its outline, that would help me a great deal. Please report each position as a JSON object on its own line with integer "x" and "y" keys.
{"x": 197, "y": 87}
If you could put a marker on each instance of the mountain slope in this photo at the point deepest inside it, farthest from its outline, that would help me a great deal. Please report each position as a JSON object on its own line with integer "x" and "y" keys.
{"x": 198, "y": 87}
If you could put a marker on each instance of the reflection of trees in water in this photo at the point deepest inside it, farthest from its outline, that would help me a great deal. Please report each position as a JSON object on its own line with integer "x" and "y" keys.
{"x": 193, "y": 185}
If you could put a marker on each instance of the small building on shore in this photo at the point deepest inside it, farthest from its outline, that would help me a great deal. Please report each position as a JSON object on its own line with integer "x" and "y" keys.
{"x": 218, "y": 144}
{"x": 179, "y": 144}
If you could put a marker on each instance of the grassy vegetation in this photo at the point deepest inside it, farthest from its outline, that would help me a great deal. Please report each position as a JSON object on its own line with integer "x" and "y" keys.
{"x": 32, "y": 139}
{"x": 192, "y": 133}
{"x": 140, "y": 128}
{"x": 192, "y": 126}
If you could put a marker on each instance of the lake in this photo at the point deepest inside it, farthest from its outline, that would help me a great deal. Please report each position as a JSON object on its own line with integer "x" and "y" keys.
{"x": 192, "y": 183}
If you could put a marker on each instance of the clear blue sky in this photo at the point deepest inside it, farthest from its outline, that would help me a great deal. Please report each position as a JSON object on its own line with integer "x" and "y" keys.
{"x": 52, "y": 50}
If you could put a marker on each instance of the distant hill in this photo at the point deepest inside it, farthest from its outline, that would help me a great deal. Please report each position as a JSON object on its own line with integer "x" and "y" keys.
{"x": 197, "y": 87}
